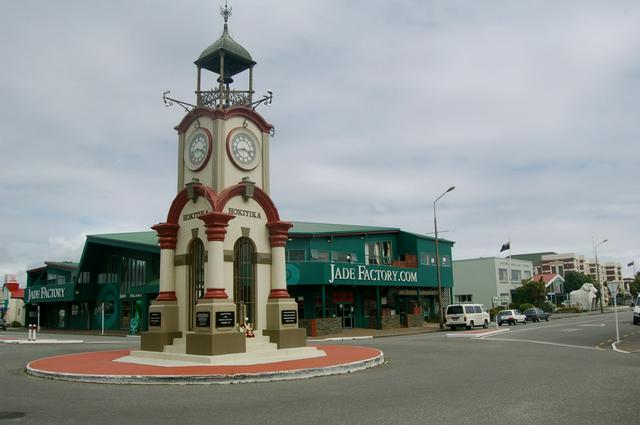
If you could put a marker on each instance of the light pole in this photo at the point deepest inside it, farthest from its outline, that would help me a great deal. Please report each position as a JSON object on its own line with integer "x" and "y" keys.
{"x": 600, "y": 287}
{"x": 435, "y": 228}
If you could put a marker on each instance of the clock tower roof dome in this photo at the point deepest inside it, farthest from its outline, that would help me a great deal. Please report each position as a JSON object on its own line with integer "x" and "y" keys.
{"x": 236, "y": 57}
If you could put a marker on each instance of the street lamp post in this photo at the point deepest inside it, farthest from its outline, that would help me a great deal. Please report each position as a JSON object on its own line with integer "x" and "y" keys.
{"x": 600, "y": 287}
{"x": 435, "y": 228}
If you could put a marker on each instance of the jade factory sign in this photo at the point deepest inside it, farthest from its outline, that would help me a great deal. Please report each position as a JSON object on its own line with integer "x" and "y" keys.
{"x": 50, "y": 293}
{"x": 340, "y": 273}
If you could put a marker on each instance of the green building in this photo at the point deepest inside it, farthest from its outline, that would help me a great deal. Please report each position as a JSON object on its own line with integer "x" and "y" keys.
{"x": 355, "y": 276}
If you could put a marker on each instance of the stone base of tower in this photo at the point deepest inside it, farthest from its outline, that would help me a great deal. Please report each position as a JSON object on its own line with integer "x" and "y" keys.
{"x": 163, "y": 326}
{"x": 282, "y": 323}
{"x": 216, "y": 331}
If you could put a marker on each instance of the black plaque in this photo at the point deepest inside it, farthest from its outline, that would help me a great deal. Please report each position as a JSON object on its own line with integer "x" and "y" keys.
{"x": 155, "y": 318}
{"x": 225, "y": 319}
{"x": 203, "y": 319}
{"x": 289, "y": 317}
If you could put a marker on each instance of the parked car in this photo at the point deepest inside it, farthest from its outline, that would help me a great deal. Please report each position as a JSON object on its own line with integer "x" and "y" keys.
{"x": 3, "y": 324}
{"x": 636, "y": 312}
{"x": 467, "y": 315}
{"x": 512, "y": 317}
{"x": 536, "y": 314}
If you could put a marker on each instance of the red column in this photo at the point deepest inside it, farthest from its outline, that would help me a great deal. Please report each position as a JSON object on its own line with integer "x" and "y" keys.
{"x": 278, "y": 236}
{"x": 167, "y": 236}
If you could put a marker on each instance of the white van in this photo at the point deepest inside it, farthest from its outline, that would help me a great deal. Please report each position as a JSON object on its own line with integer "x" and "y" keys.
{"x": 636, "y": 312}
{"x": 467, "y": 315}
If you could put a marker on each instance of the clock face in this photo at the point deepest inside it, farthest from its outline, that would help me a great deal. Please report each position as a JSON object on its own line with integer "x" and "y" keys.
{"x": 244, "y": 149}
{"x": 197, "y": 150}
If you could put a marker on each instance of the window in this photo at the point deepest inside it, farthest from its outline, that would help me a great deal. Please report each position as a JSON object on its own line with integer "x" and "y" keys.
{"x": 467, "y": 298}
{"x": 502, "y": 275}
{"x": 477, "y": 308}
{"x": 109, "y": 308}
{"x": 526, "y": 274}
{"x": 296, "y": 255}
{"x": 516, "y": 275}
{"x": 445, "y": 261}
{"x": 133, "y": 274}
{"x": 427, "y": 259}
{"x": 319, "y": 255}
{"x": 343, "y": 257}
{"x": 378, "y": 252}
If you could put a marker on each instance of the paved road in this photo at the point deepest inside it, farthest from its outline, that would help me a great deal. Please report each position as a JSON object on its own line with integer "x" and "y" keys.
{"x": 428, "y": 379}
{"x": 594, "y": 331}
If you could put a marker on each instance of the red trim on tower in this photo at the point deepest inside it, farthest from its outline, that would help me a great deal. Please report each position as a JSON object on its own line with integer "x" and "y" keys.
{"x": 279, "y": 233}
{"x": 215, "y": 293}
{"x": 279, "y": 293}
{"x": 167, "y": 234}
{"x": 258, "y": 194}
{"x": 167, "y": 296}
{"x": 215, "y": 224}
{"x": 214, "y": 114}
{"x": 182, "y": 198}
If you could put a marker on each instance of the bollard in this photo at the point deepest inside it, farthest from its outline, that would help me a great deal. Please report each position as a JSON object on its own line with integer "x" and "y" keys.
{"x": 30, "y": 332}
{"x": 35, "y": 329}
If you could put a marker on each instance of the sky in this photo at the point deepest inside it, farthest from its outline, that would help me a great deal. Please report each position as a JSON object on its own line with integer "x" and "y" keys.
{"x": 529, "y": 108}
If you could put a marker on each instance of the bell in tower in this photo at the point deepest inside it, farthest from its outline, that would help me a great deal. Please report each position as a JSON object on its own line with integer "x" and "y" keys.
{"x": 226, "y": 58}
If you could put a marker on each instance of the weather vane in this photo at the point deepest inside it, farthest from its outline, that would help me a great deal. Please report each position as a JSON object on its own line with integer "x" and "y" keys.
{"x": 225, "y": 12}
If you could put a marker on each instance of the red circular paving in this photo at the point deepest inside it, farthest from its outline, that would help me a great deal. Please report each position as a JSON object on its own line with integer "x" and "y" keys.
{"x": 100, "y": 367}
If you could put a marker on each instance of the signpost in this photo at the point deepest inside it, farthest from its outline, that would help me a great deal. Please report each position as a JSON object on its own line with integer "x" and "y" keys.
{"x": 613, "y": 288}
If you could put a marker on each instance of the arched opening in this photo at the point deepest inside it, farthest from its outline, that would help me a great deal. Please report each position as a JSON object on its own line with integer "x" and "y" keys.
{"x": 244, "y": 280}
{"x": 196, "y": 278}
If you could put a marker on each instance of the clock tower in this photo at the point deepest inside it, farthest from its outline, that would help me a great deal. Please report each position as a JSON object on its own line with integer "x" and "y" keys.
{"x": 222, "y": 261}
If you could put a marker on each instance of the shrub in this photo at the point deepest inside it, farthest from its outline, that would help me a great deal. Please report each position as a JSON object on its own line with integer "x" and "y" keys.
{"x": 525, "y": 306}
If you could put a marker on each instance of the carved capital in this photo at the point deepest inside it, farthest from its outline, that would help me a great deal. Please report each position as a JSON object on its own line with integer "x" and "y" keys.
{"x": 167, "y": 234}
{"x": 279, "y": 233}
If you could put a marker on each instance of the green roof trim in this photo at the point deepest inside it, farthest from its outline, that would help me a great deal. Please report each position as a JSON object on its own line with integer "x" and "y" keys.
{"x": 312, "y": 229}
{"x": 139, "y": 238}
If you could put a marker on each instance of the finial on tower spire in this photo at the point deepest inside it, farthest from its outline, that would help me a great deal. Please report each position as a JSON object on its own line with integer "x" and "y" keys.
{"x": 225, "y": 12}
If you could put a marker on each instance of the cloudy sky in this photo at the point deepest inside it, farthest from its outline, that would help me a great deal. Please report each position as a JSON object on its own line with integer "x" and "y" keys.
{"x": 530, "y": 108}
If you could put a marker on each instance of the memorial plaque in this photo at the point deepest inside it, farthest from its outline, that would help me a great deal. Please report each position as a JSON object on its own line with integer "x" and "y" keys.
{"x": 155, "y": 318}
{"x": 225, "y": 319}
{"x": 289, "y": 317}
{"x": 203, "y": 319}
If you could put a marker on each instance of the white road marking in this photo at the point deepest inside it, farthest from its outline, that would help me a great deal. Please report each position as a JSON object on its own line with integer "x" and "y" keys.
{"x": 601, "y": 325}
{"x": 557, "y": 344}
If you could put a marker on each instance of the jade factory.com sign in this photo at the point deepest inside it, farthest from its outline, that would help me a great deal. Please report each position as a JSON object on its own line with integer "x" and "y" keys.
{"x": 49, "y": 293}
{"x": 338, "y": 273}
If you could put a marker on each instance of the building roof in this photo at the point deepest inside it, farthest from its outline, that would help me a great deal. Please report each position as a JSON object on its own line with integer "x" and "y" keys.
{"x": 142, "y": 238}
{"x": 546, "y": 278}
{"x": 534, "y": 257}
{"x": 303, "y": 228}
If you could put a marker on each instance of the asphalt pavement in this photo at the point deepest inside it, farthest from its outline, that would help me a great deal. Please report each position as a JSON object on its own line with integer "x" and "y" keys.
{"x": 537, "y": 374}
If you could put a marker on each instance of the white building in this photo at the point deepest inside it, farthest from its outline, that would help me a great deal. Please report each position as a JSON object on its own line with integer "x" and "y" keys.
{"x": 478, "y": 280}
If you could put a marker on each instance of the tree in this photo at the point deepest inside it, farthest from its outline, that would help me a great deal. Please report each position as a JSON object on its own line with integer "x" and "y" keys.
{"x": 531, "y": 292}
{"x": 575, "y": 280}
{"x": 634, "y": 287}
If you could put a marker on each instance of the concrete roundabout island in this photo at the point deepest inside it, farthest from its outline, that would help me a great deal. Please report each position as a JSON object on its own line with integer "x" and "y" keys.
{"x": 107, "y": 367}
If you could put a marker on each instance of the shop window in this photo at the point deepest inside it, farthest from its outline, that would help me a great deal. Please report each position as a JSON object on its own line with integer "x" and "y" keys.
{"x": 343, "y": 257}
{"x": 502, "y": 275}
{"x": 378, "y": 252}
{"x": 75, "y": 309}
{"x": 109, "y": 308}
{"x": 319, "y": 255}
{"x": 296, "y": 255}
{"x": 84, "y": 277}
